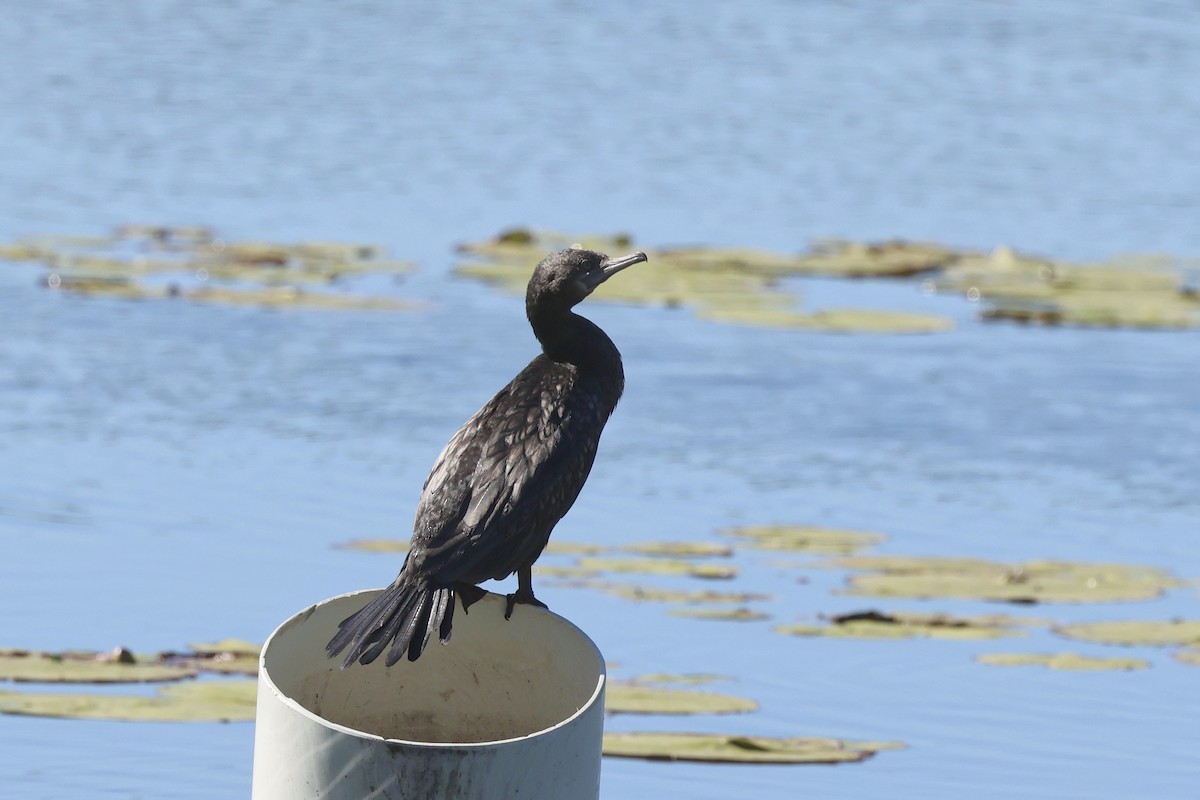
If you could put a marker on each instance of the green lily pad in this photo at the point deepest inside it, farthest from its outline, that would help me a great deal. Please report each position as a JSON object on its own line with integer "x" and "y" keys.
{"x": 804, "y": 538}
{"x": 87, "y": 668}
{"x": 1135, "y": 632}
{"x": 658, "y": 566}
{"x": 739, "y": 614}
{"x": 740, "y": 749}
{"x": 901, "y": 625}
{"x": 1031, "y": 582}
{"x": 627, "y": 698}
{"x": 204, "y": 701}
{"x": 1063, "y": 661}
{"x": 651, "y": 594}
{"x": 681, "y": 549}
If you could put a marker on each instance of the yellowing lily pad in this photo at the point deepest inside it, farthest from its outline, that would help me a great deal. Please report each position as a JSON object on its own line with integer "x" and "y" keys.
{"x": 86, "y": 668}
{"x": 1190, "y": 655}
{"x": 740, "y": 749}
{"x": 804, "y": 538}
{"x": 681, "y": 549}
{"x": 740, "y": 614}
{"x": 1063, "y": 661}
{"x": 658, "y": 566}
{"x": 651, "y": 594}
{"x": 831, "y": 320}
{"x": 238, "y": 647}
{"x": 1135, "y": 632}
{"x": 689, "y": 678}
{"x": 626, "y": 698}
{"x": 375, "y": 545}
{"x": 901, "y": 625}
{"x": 201, "y": 701}
{"x": 1031, "y": 582}
{"x": 574, "y": 548}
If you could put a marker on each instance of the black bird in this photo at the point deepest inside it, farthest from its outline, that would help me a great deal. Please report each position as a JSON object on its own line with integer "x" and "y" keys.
{"x": 509, "y": 474}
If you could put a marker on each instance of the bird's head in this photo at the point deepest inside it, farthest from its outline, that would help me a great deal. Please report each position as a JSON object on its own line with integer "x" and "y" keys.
{"x": 566, "y": 277}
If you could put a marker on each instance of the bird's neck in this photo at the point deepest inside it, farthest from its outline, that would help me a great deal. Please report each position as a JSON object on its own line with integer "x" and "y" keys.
{"x": 568, "y": 338}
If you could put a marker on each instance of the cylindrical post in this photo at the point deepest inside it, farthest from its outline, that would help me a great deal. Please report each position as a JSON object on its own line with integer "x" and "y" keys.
{"x": 507, "y": 708}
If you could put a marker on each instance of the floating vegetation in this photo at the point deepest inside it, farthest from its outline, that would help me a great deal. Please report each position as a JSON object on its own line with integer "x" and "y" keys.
{"x": 681, "y": 549}
{"x": 1063, "y": 661}
{"x": 739, "y": 285}
{"x": 630, "y": 591}
{"x": 830, "y": 320}
{"x": 375, "y": 545}
{"x": 249, "y": 273}
{"x": 687, "y": 678}
{"x": 903, "y": 625}
{"x": 631, "y": 698}
{"x": 740, "y": 749}
{"x": 118, "y": 667}
{"x": 574, "y": 548}
{"x": 1135, "y": 632}
{"x": 742, "y": 285}
{"x": 805, "y": 539}
{"x": 196, "y": 701}
{"x": 1190, "y": 656}
{"x": 658, "y": 566}
{"x": 1134, "y": 292}
{"x": 739, "y": 614}
{"x": 1030, "y": 582}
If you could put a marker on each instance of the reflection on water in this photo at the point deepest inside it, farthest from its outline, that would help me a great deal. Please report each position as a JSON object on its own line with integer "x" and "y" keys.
{"x": 174, "y": 473}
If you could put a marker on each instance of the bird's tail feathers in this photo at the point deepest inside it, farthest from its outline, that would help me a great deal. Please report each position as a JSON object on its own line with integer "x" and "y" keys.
{"x": 402, "y": 617}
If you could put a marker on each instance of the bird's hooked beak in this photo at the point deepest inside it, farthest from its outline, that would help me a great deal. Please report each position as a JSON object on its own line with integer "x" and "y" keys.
{"x": 611, "y": 266}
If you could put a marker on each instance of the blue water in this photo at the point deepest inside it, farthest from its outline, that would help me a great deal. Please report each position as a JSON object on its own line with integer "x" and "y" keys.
{"x": 173, "y": 473}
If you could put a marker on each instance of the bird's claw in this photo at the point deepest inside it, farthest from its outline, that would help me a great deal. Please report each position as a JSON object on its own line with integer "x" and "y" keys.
{"x": 518, "y": 597}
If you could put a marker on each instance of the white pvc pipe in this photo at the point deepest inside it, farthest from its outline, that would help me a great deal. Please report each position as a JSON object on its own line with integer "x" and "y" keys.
{"x": 507, "y": 708}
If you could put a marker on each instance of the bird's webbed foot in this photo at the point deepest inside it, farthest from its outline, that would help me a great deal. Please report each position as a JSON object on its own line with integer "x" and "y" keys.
{"x": 468, "y": 594}
{"x": 524, "y": 592}
{"x": 526, "y": 598}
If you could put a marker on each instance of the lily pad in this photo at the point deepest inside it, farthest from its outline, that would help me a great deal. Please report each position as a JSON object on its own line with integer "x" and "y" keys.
{"x": 87, "y": 668}
{"x": 574, "y": 548}
{"x": 740, "y": 749}
{"x": 658, "y": 566}
{"x": 688, "y": 678}
{"x": 739, "y": 614}
{"x": 267, "y": 273}
{"x": 238, "y": 647}
{"x": 805, "y": 538}
{"x": 1031, "y": 582}
{"x": 651, "y": 594}
{"x": 627, "y": 698}
{"x": 1063, "y": 661}
{"x": 1190, "y": 655}
{"x": 831, "y": 320}
{"x": 902, "y": 625}
{"x": 375, "y": 545}
{"x": 292, "y": 297}
{"x": 201, "y": 701}
{"x": 739, "y": 285}
{"x": 1135, "y": 632}
{"x": 681, "y": 549}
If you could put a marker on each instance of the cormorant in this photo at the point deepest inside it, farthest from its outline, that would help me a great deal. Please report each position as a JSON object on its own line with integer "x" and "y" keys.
{"x": 508, "y": 476}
